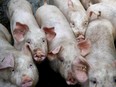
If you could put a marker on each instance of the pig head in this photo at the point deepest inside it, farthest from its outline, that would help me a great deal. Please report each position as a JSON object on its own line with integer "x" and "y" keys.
{"x": 23, "y": 72}
{"x": 35, "y": 40}
{"x": 77, "y": 16}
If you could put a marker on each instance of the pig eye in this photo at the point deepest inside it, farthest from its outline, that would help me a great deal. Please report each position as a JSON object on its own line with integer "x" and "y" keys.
{"x": 30, "y": 65}
{"x": 29, "y": 41}
{"x": 86, "y": 23}
{"x": 72, "y": 25}
{"x": 114, "y": 79}
{"x": 43, "y": 40}
{"x": 94, "y": 81}
{"x": 12, "y": 70}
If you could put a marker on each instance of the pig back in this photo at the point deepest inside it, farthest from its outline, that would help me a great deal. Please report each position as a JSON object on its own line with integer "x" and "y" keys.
{"x": 56, "y": 19}
{"x": 102, "y": 56}
{"x": 20, "y": 4}
{"x": 101, "y": 34}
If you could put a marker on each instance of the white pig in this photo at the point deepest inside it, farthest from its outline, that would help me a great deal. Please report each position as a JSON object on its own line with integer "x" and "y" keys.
{"x": 25, "y": 29}
{"x": 103, "y": 10}
{"x": 75, "y": 13}
{"x": 16, "y": 67}
{"x": 103, "y": 54}
{"x": 64, "y": 54}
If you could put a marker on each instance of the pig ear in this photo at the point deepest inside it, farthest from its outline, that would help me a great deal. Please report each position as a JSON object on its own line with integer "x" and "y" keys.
{"x": 26, "y": 50}
{"x": 53, "y": 53}
{"x": 7, "y": 61}
{"x": 70, "y": 5}
{"x": 94, "y": 15}
{"x": 80, "y": 68}
{"x": 50, "y": 34}
{"x": 20, "y": 31}
{"x": 84, "y": 47}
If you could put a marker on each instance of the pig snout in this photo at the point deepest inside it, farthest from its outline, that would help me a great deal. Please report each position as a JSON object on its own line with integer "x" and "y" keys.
{"x": 80, "y": 37}
{"x": 39, "y": 55}
{"x": 26, "y": 81}
{"x": 71, "y": 80}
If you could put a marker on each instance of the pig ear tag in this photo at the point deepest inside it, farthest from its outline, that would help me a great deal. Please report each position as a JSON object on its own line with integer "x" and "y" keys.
{"x": 7, "y": 61}
{"x": 20, "y": 31}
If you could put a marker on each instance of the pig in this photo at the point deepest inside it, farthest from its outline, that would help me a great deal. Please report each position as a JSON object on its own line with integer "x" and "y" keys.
{"x": 103, "y": 10}
{"x": 64, "y": 54}
{"x": 102, "y": 58}
{"x": 25, "y": 29}
{"x": 75, "y": 14}
{"x": 16, "y": 67}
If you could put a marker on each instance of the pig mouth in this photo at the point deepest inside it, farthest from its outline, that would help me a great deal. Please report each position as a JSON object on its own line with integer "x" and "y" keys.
{"x": 29, "y": 84}
{"x": 80, "y": 38}
{"x": 70, "y": 79}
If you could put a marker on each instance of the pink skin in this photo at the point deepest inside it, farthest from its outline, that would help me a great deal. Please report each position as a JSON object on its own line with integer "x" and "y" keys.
{"x": 78, "y": 73}
{"x": 26, "y": 81}
{"x": 19, "y": 68}
{"x": 20, "y": 31}
{"x": 62, "y": 46}
{"x": 39, "y": 55}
